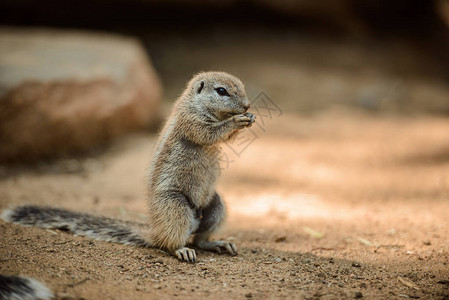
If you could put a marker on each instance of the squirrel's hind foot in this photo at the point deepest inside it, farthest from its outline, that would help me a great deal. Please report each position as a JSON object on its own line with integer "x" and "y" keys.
{"x": 217, "y": 246}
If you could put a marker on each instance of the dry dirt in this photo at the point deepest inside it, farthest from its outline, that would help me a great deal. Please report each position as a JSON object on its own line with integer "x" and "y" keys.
{"x": 336, "y": 206}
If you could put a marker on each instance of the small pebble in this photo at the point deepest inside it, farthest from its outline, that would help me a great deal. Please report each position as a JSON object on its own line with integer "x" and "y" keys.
{"x": 358, "y": 295}
{"x": 356, "y": 265}
{"x": 248, "y": 295}
{"x": 280, "y": 239}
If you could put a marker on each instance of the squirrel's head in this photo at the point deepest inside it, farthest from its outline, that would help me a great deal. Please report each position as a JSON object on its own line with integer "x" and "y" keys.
{"x": 219, "y": 93}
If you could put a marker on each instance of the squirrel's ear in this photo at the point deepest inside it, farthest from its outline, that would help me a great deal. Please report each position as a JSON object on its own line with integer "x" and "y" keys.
{"x": 201, "y": 87}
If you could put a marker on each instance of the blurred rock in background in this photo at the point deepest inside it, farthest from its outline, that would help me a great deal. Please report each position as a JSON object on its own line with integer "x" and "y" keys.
{"x": 63, "y": 92}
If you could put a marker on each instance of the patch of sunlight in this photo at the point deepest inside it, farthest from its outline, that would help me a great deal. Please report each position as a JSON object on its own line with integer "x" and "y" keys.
{"x": 316, "y": 172}
{"x": 291, "y": 206}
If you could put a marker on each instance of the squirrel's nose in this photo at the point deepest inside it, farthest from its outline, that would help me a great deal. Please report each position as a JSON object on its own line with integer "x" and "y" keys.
{"x": 246, "y": 107}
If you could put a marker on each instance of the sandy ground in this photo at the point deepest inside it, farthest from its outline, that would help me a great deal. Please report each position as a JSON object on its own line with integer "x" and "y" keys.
{"x": 335, "y": 206}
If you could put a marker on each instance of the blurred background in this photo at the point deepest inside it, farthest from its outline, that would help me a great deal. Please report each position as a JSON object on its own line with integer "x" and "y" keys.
{"x": 107, "y": 66}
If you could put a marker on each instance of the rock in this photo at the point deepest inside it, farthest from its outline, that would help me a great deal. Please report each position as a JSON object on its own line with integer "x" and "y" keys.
{"x": 62, "y": 92}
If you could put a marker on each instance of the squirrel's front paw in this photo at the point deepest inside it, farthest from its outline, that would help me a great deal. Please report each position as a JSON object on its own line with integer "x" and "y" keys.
{"x": 252, "y": 117}
{"x": 244, "y": 120}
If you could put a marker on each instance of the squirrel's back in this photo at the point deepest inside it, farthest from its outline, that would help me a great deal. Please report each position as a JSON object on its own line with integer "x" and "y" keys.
{"x": 187, "y": 152}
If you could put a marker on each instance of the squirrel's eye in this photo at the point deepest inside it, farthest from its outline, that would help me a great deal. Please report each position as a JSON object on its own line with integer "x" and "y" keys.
{"x": 222, "y": 91}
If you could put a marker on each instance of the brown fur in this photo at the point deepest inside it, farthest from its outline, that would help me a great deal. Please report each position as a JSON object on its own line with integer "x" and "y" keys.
{"x": 185, "y": 168}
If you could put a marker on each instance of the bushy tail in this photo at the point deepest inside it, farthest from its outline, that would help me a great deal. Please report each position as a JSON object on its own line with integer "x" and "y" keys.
{"x": 99, "y": 228}
{"x": 22, "y": 288}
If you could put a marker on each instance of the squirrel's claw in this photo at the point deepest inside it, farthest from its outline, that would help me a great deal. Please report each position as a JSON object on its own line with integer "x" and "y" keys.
{"x": 252, "y": 117}
{"x": 186, "y": 254}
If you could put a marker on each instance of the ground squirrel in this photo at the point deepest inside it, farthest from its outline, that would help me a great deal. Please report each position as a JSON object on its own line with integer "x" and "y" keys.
{"x": 181, "y": 181}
